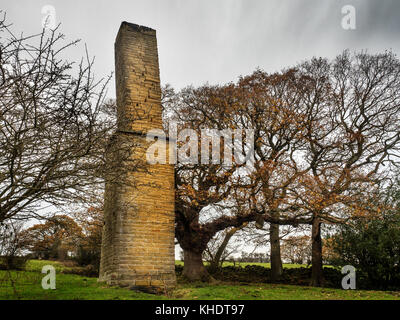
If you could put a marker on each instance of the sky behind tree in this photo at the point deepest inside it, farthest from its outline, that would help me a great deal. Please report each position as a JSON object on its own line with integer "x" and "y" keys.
{"x": 217, "y": 41}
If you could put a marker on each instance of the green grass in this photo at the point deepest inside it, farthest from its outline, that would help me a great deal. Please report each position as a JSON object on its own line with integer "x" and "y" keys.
{"x": 68, "y": 287}
{"x": 276, "y": 292}
{"x": 74, "y": 287}
{"x": 37, "y": 265}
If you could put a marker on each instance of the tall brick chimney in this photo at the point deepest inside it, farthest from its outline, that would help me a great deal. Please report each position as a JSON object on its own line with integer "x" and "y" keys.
{"x": 138, "y": 235}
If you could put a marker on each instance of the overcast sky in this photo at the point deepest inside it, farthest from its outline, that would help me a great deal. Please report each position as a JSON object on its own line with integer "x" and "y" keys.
{"x": 216, "y": 41}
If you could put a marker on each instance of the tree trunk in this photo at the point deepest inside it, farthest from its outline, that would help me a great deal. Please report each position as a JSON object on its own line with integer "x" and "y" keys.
{"x": 217, "y": 259}
{"x": 316, "y": 259}
{"x": 193, "y": 268}
{"x": 215, "y": 263}
{"x": 275, "y": 254}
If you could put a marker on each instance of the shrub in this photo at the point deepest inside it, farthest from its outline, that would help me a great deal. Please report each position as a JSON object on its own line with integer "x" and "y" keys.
{"x": 11, "y": 246}
{"x": 257, "y": 274}
{"x": 13, "y": 263}
{"x": 87, "y": 271}
{"x": 88, "y": 256}
{"x": 373, "y": 248}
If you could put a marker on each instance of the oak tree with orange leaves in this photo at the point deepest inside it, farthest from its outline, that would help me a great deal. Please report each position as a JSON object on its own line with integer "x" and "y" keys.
{"x": 353, "y": 115}
{"x": 53, "y": 239}
{"x": 324, "y": 130}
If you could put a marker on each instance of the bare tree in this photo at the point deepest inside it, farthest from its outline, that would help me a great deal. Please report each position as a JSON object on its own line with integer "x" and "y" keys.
{"x": 11, "y": 245}
{"x": 54, "y": 125}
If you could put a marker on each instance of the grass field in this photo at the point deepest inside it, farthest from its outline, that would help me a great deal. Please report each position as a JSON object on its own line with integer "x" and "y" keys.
{"x": 69, "y": 286}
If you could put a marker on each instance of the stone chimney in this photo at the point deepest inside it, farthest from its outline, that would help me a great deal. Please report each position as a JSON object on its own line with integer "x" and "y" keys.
{"x": 139, "y": 206}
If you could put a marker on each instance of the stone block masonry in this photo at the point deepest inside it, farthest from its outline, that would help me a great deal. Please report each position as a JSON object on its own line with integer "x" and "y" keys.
{"x": 139, "y": 206}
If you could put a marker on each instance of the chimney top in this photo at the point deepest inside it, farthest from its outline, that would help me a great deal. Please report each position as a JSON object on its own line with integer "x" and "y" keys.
{"x": 136, "y": 27}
